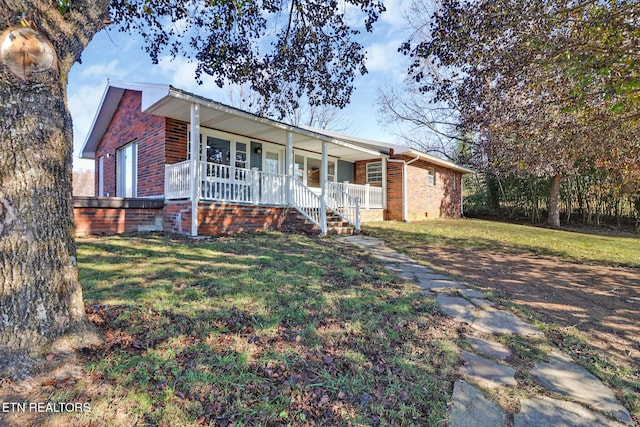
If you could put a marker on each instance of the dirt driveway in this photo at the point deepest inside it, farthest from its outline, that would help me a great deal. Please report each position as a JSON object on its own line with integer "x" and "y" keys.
{"x": 602, "y": 302}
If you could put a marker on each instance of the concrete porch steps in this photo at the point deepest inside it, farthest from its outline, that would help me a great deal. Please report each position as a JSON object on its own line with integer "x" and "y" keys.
{"x": 335, "y": 225}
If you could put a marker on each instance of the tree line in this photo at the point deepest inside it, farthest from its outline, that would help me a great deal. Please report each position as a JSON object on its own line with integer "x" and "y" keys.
{"x": 584, "y": 200}
{"x": 542, "y": 95}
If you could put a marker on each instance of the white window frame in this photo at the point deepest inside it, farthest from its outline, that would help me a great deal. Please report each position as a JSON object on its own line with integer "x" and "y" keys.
{"x": 455, "y": 181}
{"x": 431, "y": 176}
{"x": 122, "y": 171}
{"x": 306, "y": 155}
{"x": 374, "y": 175}
{"x": 101, "y": 176}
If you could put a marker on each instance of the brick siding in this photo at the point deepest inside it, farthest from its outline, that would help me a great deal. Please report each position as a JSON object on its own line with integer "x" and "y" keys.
{"x": 160, "y": 141}
{"x": 177, "y": 217}
{"x": 428, "y": 201}
{"x": 90, "y": 220}
{"x": 220, "y": 219}
{"x": 425, "y": 201}
{"x": 371, "y": 215}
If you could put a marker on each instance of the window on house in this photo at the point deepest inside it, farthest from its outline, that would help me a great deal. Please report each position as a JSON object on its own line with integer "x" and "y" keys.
{"x": 101, "y": 176}
{"x": 298, "y": 169}
{"x": 455, "y": 181}
{"x": 374, "y": 172}
{"x": 272, "y": 163}
{"x": 127, "y": 167}
{"x": 241, "y": 155}
{"x": 219, "y": 151}
{"x": 431, "y": 176}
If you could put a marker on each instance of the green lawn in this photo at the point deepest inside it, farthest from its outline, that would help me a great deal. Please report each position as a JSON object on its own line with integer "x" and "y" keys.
{"x": 585, "y": 340}
{"x": 512, "y": 238}
{"x": 263, "y": 329}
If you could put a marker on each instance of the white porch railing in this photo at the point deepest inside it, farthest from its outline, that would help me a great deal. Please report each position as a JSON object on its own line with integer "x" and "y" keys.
{"x": 370, "y": 197}
{"x": 229, "y": 184}
{"x": 177, "y": 181}
{"x": 309, "y": 204}
{"x": 344, "y": 204}
{"x": 224, "y": 183}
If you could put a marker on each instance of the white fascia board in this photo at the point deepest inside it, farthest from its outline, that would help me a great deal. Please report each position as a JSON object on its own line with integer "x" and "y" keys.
{"x": 151, "y": 92}
{"x": 436, "y": 160}
{"x": 89, "y": 148}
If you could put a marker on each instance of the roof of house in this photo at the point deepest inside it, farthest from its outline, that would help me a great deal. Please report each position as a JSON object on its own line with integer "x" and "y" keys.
{"x": 167, "y": 101}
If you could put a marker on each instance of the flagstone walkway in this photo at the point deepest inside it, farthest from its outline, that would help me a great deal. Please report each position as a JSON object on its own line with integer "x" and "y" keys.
{"x": 572, "y": 396}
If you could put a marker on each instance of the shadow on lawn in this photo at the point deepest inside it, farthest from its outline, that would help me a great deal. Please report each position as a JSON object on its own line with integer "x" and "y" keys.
{"x": 425, "y": 236}
{"x": 267, "y": 329}
{"x": 589, "y": 310}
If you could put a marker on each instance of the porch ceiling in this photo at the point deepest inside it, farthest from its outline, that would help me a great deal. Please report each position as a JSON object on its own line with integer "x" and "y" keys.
{"x": 228, "y": 119}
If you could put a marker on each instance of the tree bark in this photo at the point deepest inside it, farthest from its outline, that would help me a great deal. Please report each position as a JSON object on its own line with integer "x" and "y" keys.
{"x": 40, "y": 294}
{"x": 554, "y": 201}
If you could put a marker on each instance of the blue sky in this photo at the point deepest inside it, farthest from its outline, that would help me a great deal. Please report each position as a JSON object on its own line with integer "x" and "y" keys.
{"x": 119, "y": 56}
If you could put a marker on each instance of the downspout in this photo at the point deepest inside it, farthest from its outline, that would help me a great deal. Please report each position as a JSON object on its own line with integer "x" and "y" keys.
{"x": 195, "y": 166}
{"x": 461, "y": 199}
{"x": 405, "y": 205}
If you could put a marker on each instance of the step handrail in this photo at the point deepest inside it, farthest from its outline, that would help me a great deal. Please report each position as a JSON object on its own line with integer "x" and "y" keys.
{"x": 308, "y": 204}
{"x": 343, "y": 204}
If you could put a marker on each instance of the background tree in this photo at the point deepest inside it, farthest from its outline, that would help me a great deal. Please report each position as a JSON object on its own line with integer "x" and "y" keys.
{"x": 303, "y": 113}
{"x": 283, "y": 50}
{"x": 83, "y": 183}
{"x": 423, "y": 124}
{"x": 547, "y": 88}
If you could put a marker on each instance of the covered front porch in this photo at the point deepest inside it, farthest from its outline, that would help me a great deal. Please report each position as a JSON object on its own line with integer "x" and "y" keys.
{"x": 244, "y": 159}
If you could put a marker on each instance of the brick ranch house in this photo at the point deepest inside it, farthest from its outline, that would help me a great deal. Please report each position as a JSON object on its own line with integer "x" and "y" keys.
{"x": 246, "y": 172}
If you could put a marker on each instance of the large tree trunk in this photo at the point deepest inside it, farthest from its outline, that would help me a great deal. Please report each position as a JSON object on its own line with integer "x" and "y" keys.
{"x": 554, "y": 201}
{"x": 40, "y": 295}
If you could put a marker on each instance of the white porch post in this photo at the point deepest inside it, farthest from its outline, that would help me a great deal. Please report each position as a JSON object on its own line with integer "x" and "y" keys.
{"x": 367, "y": 195}
{"x": 384, "y": 182}
{"x": 324, "y": 172}
{"x": 195, "y": 166}
{"x": 289, "y": 168}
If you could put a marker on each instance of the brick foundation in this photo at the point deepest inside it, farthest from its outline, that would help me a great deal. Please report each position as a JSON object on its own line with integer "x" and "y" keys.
{"x": 371, "y": 215}
{"x": 220, "y": 219}
{"x": 116, "y": 216}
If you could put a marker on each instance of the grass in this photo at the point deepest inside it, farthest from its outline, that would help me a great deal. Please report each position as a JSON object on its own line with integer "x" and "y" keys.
{"x": 514, "y": 239}
{"x": 507, "y": 238}
{"x": 263, "y": 329}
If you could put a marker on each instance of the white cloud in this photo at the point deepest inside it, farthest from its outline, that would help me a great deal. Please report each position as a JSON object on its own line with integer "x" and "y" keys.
{"x": 181, "y": 74}
{"x": 383, "y": 56}
{"x": 83, "y": 104}
{"x": 395, "y": 14}
{"x": 100, "y": 70}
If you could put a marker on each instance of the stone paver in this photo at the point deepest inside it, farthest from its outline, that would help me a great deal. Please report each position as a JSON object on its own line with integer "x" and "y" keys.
{"x": 471, "y": 408}
{"x": 559, "y": 374}
{"x": 488, "y": 373}
{"x": 547, "y": 412}
{"x": 502, "y": 322}
{"x": 490, "y": 348}
{"x": 483, "y": 303}
{"x": 444, "y": 284}
{"x": 457, "y": 307}
{"x": 471, "y": 293}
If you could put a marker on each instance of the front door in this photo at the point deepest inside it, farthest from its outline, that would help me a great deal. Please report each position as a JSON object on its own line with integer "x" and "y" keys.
{"x": 272, "y": 162}
{"x": 272, "y": 182}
